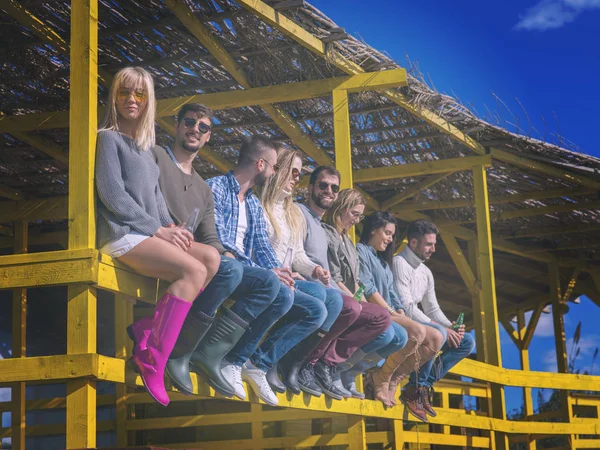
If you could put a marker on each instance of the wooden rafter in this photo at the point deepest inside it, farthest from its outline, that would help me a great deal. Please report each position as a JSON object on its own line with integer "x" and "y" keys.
{"x": 414, "y": 189}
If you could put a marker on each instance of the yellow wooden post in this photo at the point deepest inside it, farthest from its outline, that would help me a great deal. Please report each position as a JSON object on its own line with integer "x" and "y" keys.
{"x": 19, "y": 335}
{"x": 524, "y": 353}
{"x": 81, "y": 309}
{"x": 476, "y": 301}
{"x": 489, "y": 308}
{"x": 123, "y": 350}
{"x": 357, "y": 433}
{"x": 257, "y": 427}
{"x": 343, "y": 148}
{"x": 398, "y": 427}
{"x": 559, "y": 306}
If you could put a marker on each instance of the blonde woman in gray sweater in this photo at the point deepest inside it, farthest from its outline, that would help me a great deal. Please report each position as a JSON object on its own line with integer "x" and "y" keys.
{"x": 134, "y": 225}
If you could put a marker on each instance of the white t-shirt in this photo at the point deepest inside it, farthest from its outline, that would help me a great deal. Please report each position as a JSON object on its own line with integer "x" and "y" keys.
{"x": 242, "y": 227}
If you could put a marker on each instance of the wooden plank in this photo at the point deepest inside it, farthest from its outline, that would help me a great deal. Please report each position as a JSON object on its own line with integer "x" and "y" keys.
{"x": 123, "y": 317}
{"x": 11, "y": 193}
{"x": 36, "y": 209}
{"x": 44, "y": 145}
{"x": 19, "y": 343}
{"x": 414, "y": 190}
{"x": 460, "y": 262}
{"x": 54, "y": 273}
{"x": 59, "y": 367}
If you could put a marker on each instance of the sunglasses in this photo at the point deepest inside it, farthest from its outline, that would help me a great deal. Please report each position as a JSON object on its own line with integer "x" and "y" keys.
{"x": 297, "y": 173}
{"x": 139, "y": 95}
{"x": 335, "y": 188}
{"x": 360, "y": 217}
{"x": 191, "y": 123}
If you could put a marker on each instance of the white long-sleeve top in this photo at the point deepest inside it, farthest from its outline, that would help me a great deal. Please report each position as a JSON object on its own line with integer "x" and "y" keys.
{"x": 414, "y": 283}
{"x": 300, "y": 261}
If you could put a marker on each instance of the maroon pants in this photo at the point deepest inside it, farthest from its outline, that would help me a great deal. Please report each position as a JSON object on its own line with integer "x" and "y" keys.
{"x": 357, "y": 324}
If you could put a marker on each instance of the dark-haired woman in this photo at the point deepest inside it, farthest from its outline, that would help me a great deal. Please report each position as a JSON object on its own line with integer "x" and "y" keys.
{"x": 376, "y": 249}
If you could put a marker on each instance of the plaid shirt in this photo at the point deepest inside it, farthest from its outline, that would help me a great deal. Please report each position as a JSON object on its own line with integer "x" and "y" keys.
{"x": 227, "y": 206}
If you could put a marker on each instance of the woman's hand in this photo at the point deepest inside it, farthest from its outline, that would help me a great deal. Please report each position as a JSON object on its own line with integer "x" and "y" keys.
{"x": 297, "y": 276}
{"x": 322, "y": 275}
{"x": 177, "y": 236}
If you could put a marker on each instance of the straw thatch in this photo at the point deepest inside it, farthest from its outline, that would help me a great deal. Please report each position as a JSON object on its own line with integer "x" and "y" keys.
{"x": 34, "y": 78}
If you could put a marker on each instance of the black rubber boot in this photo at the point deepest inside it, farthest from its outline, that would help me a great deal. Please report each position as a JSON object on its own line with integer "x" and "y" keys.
{"x": 292, "y": 361}
{"x": 227, "y": 330}
{"x": 178, "y": 367}
{"x": 324, "y": 377}
{"x": 274, "y": 381}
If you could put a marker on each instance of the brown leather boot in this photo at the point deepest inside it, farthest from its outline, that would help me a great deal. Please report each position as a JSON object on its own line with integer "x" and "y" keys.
{"x": 379, "y": 387}
{"x": 427, "y": 394}
{"x": 413, "y": 400}
{"x": 397, "y": 377}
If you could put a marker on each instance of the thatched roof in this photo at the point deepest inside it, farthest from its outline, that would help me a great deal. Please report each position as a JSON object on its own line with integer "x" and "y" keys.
{"x": 35, "y": 79}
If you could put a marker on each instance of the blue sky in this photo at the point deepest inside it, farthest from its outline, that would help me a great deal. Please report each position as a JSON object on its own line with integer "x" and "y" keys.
{"x": 545, "y": 53}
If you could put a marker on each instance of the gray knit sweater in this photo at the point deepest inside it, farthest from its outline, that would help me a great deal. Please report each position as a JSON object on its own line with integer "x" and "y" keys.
{"x": 129, "y": 196}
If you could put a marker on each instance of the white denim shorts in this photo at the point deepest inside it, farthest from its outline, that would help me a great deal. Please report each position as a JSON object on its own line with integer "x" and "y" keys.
{"x": 121, "y": 246}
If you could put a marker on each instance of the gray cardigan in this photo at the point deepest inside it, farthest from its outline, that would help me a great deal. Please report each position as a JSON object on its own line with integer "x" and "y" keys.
{"x": 129, "y": 196}
{"x": 343, "y": 258}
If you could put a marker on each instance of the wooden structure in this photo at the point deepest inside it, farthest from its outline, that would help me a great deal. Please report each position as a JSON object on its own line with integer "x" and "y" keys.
{"x": 518, "y": 216}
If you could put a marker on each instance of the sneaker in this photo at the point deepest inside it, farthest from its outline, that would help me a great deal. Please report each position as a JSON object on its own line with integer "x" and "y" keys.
{"x": 257, "y": 379}
{"x": 233, "y": 375}
{"x": 325, "y": 380}
{"x": 307, "y": 382}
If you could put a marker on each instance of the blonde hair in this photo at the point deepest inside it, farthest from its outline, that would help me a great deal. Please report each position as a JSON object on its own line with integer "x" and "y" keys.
{"x": 144, "y": 134}
{"x": 347, "y": 199}
{"x": 271, "y": 193}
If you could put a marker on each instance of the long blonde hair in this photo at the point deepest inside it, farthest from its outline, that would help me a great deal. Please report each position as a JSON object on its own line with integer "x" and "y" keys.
{"x": 271, "y": 193}
{"x": 144, "y": 136}
{"x": 347, "y": 199}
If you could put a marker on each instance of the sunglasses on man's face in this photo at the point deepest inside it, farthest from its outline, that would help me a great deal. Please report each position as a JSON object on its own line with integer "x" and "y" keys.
{"x": 191, "y": 123}
{"x": 139, "y": 95}
{"x": 335, "y": 188}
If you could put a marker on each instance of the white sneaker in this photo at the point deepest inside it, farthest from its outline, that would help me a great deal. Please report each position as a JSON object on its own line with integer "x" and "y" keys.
{"x": 257, "y": 379}
{"x": 233, "y": 374}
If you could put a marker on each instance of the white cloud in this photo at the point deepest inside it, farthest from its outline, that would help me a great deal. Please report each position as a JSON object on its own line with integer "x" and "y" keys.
{"x": 553, "y": 14}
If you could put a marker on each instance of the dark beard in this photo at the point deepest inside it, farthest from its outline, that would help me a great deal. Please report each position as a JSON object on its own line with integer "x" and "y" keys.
{"x": 189, "y": 148}
{"x": 317, "y": 201}
{"x": 260, "y": 179}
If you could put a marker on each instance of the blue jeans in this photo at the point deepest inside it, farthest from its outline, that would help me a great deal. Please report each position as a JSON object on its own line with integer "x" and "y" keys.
{"x": 333, "y": 299}
{"x": 388, "y": 342}
{"x": 435, "y": 369}
{"x": 260, "y": 315}
{"x": 306, "y": 316}
{"x": 225, "y": 281}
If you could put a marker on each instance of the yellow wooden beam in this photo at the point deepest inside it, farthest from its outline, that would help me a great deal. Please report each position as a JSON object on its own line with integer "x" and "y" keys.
{"x": 461, "y": 263}
{"x": 524, "y": 355}
{"x": 38, "y": 209}
{"x": 49, "y": 368}
{"x": 414, "y": 190}
{"x": 533, "y": 321}
{"x": 546, "y": 169}
{"x": 419, "y": 169}
{"x": 44, "y": 145}
{"x": 512, "y": 198}
{"x": 550, "y": 231}
{"x": 11, "y": 193}
{"x": 512, "y": 333}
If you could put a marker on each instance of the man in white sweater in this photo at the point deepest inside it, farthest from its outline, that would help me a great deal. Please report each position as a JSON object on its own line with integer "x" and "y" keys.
{"x": 414, "y": 282}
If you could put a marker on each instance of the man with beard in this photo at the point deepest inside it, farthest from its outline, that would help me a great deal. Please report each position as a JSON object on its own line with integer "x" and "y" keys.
{"x": 252, "y": 289}
{"x": 242, "y": 231}
{"x": 414, "y": 283}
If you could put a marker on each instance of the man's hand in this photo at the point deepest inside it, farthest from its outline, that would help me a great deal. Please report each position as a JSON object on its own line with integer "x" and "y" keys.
{"x": 285, "y": 276}
{"x": 322, "y": 275}
{"x": 229, "y": 255}
{"x": 455, "y": 336}
{"x": 176, "y": 236}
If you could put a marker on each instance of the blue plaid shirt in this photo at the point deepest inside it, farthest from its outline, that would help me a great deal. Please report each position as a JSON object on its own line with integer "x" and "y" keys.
{"x": 257, "y": 247}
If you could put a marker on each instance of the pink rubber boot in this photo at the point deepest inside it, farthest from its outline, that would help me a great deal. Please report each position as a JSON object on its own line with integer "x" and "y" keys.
{"x": 170, "y": 313}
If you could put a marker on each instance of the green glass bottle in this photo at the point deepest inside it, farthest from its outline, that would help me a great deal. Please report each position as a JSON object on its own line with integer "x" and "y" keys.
{"x": 359, "y": 294}
{"x": 459, "y": 321}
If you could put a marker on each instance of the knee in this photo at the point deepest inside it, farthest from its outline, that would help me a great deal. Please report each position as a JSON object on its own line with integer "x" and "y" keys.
{"x": 351, "y": 308}
{"x": 318, "y": 291}
{"x": 436, "y": 339}
{"x": 284, "y": 299}
{"x": 419, "y": 334}
{"x": 195, "y": 273}
{"x": 213, "y": 261}
{"x": 318, "y": 312}
{"x": 232, "y": 269}
{"x": 468, "y": 344}
{"x": 387, "y": 337}
{"x": 335, "y": 302}
{"x": 400, "y": 338}
{"x": 270, "y": 283}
